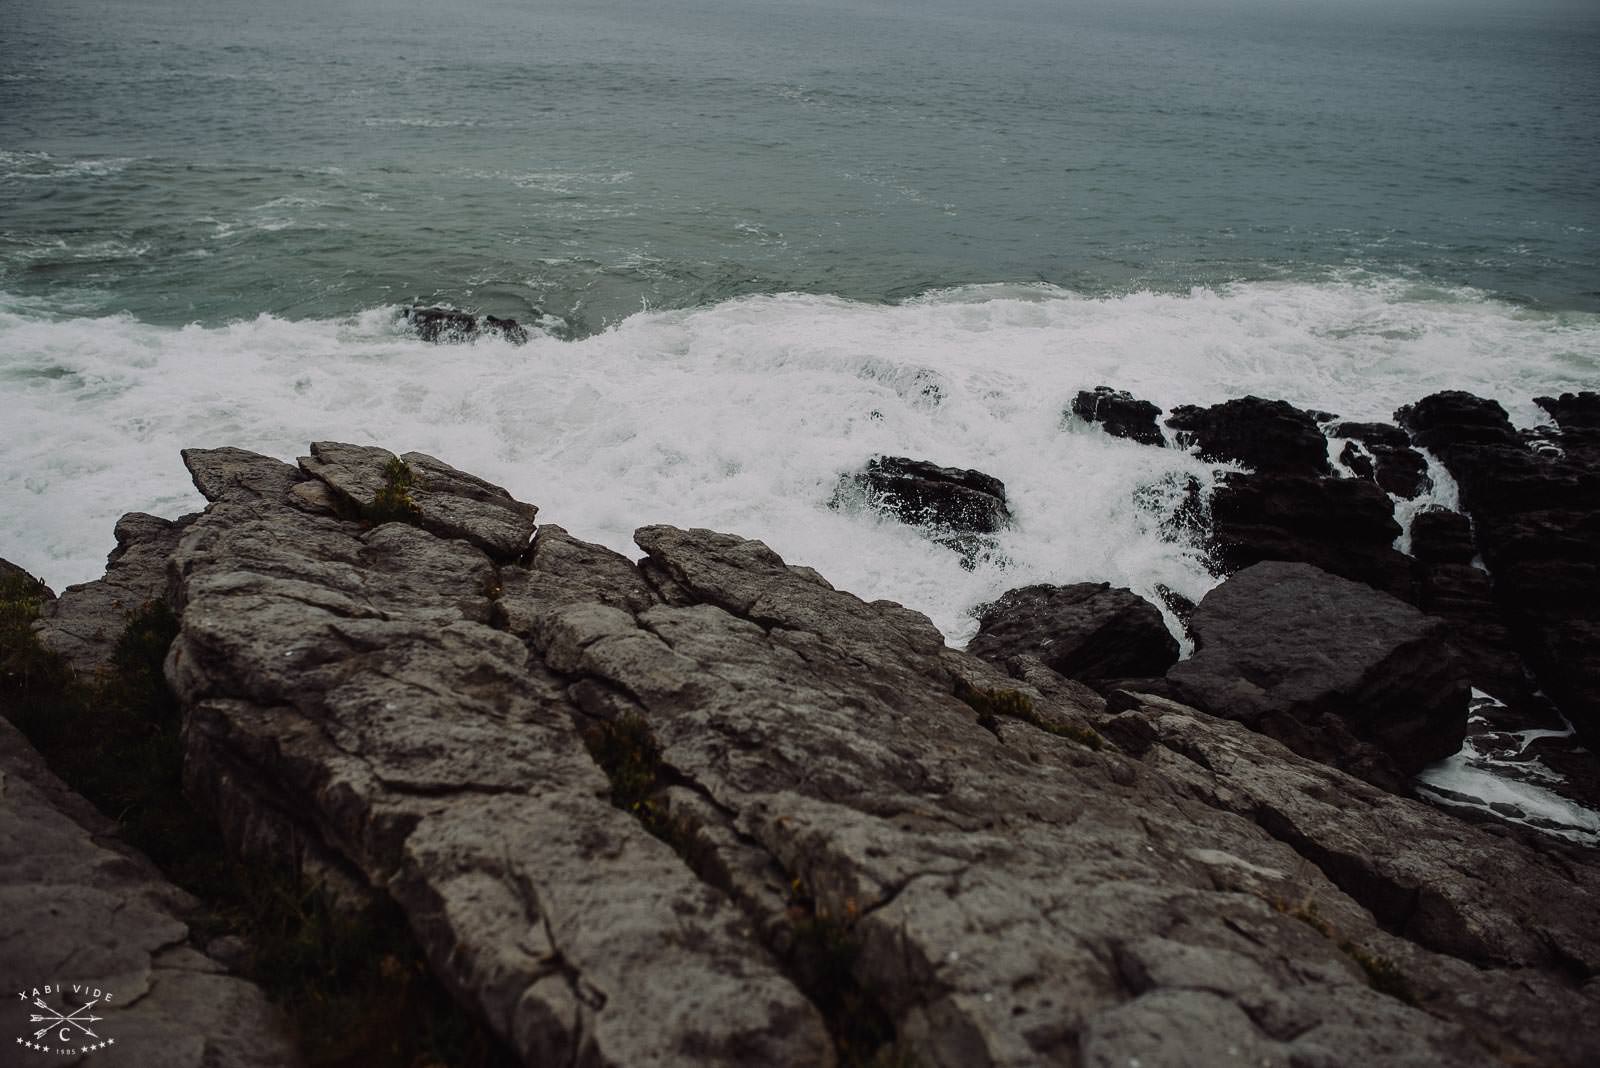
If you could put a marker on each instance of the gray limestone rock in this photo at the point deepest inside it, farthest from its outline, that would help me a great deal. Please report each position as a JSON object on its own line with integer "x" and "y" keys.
{"x": 83, "y": 624}
{"x": 448, "y": 502}
{"x": 217, "y": 473}
{"x": 76, "y": 906}
{"x": 349, "y": 706}
{"x": 1337, "y": 670}
{"x": 407, "y": 714}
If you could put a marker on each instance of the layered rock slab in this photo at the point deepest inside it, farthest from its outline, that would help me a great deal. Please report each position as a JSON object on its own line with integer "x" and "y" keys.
{"x": 78, "y": 906}
{"x": 349, "y": 708}
{"x": 448, "y": 502}
{"x": 1017, "y": 898}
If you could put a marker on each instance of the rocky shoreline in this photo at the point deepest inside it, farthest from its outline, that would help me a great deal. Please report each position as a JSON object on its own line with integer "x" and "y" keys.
{"x": 704, "y": 808}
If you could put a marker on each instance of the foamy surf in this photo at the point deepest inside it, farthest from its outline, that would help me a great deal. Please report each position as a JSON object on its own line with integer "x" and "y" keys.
{"x": 741, "y": 416}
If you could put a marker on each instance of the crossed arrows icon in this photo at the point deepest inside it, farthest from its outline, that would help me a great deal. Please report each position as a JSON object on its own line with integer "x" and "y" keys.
{"x": 55, "y": 1018}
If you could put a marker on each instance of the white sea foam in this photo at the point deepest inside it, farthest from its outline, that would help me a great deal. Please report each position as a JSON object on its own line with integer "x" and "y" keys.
{"x": 423, "y": 121}
{"x": 1493, "y": 770}
{"x": 32, "y": 166}
{"x": 741, "y": 416}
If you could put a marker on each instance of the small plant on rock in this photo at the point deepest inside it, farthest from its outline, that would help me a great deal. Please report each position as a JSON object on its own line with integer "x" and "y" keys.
{"x": 393, "y": 502}
{"x": 1383, "y": 974}
{"x": 990, "y": 705}
{"x": 822, "y": 959}
{"x": 24, "y": 664}
{"x": 627, "y": 752}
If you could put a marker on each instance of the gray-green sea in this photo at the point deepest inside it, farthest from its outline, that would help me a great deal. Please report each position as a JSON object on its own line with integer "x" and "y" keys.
{"x": 190, "y": 162}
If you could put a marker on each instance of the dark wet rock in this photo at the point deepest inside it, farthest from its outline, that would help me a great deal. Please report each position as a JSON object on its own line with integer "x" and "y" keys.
{"x": 83, "y": 624}
{"x": 1440, "y": 536}
{"x": 1463, "y": 597}
{"x": 1266, "y": 436}
{"x": 1336, "y": 670}
{"x": 1385, "y": 434}
{"x": 449, "y": 325}
{"x": 960, "y": 508}
{"x": 509, "y": 329}
{"x": 1087, "y": 631}
{"x": 442, "y": 324}
{"x": 447, "y": 502}
{"x": 1536, "y": 518}
{"x": 920, "y": 492}
{"x": 1578, "y": 415}
{"x": 1180, "y": 606}
{"x": 1023, "y": 874}
{"x": 1551, "y": 761}
{"x": 1358, "y": 461}
{"x": 1120, "y": 414}
{"x": 79, "y": 906}
{"x": 1386, "y": 457}
{"x": 1448, "y": 586}
{"x": 1344, "y": 526}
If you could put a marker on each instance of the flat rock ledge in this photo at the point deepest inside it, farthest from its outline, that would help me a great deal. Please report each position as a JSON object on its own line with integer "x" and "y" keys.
{"x": 1069, "y": 882}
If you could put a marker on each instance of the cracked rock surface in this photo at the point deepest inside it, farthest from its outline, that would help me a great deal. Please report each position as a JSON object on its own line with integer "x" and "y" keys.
{"x": 83, "y": 624}
{"x": 76, "y": 906}
{"x": 406, "y": 710}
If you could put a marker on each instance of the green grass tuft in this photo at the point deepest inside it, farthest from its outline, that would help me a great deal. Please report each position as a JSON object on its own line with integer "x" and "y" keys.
{"x": 393, "y": 502}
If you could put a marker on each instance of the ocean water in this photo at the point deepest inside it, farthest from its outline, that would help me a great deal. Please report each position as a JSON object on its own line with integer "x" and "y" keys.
{"x": 768, "y": 241}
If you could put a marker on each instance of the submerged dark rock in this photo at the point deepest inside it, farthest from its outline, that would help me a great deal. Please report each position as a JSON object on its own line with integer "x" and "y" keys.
{"x": 921, "y": 492}
{"x": 960, "y": 508}
{"x": 443, "y": 325}
{"x": 1120, "y": 414}
{"x": 1087, "y": 631}
{"x": 1336, "y": 670}
{"x": 1266, "y": 436}
{"x": 509, "y": 329}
